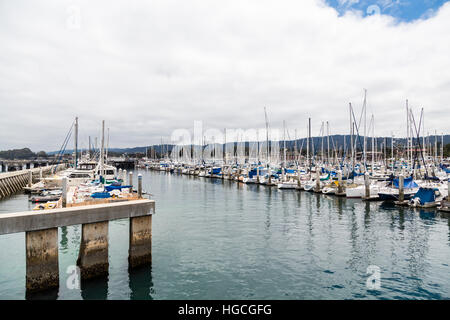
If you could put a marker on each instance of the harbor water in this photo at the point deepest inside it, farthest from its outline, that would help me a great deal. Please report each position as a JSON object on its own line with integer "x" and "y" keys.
{"x": 215, "y": 239}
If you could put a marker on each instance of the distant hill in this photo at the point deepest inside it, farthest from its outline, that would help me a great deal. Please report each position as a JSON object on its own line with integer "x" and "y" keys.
{"x": 337, "y": 140}
{"x": 20, "y": 154}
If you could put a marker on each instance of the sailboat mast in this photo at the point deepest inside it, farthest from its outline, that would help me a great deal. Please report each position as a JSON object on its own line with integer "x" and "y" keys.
{"x": 267, "y": 136}
{"x": 307, "y": 146}
{"x": 328, "y": 143}
{"x": 373, "y": 143}
{"x": 102, "y": 149}
{"x": 284, "y": 144}
{"x": 76, "y": 144}
{"x": 351, "y": 134}
{"x": 107, "y": 148}
{"x": 365, "y": 129}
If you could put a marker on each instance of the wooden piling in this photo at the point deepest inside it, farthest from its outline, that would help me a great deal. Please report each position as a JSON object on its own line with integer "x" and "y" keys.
{"x": 30, "y": 178}
{"x": 367, "y": 185}
{"x": 401, "y": 191}
{"x": 140, "y": 186}
{"x": 64, "y": 192}
{"x": 130, "y": 182}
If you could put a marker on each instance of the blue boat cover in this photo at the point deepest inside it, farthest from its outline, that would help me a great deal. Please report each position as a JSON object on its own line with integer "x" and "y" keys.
{"x": 215, "y": 170}
{"x": 425, "y": 195}
{"x": 100, "y": 195}
{"x": 111, "y": 187}
{"x": 354, "y": 174}
{"x": 408, "y": 184}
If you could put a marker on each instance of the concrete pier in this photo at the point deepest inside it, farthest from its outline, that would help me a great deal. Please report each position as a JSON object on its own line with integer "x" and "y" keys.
{"x": 41, "y": 229}
{"x": 42, "y": 259}
{"x": 93, "y": 255}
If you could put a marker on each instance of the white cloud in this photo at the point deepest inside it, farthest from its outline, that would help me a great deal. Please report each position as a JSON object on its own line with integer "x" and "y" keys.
{"x": 150, "y": 67}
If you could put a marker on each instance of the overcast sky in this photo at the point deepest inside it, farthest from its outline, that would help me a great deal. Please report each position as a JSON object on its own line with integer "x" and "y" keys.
{"x": 149, "y": 67}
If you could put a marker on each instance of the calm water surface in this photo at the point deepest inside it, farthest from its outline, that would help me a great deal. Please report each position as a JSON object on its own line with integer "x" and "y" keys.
{"x": 216, "y": 239}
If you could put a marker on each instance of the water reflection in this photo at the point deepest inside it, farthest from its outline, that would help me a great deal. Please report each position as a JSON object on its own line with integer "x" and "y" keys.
{"x": 94, "y": 289}
{"x": 51, "y": 294}
{"x": 340, "y": 204}
{"x": 141, "y": 284}
{"x": 277, "y": 245}
{"x": 63, "y": 242}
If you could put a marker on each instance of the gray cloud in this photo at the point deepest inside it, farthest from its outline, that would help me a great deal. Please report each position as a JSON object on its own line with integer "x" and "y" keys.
{"x": 150, "y": 67}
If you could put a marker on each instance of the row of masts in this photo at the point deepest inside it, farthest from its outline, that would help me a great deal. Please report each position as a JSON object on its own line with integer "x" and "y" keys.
{"x": 330, "y": 153}
{"x": 92, "y": 152}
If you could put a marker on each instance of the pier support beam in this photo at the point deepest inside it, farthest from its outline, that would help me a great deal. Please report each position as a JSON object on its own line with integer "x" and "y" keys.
{"x": 42, "y": 270}
{"x": 140, "y": 252}
{"x": 93, "y": 255}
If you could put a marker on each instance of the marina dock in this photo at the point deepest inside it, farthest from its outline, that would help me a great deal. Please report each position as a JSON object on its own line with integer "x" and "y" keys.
{"x": 11, "y": 182}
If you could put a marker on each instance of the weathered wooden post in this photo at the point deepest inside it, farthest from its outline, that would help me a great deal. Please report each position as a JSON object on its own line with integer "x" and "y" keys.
{"x": 130, "y": 182}
{"x": 125, "y": 177}
{"x": 40, "y": 173}
{"x": 257, "y": 174}
{"x": 367, "y": 185}
{"x": 140, "y": 186}
{"x": 317, "y": 188}
{"x": 30, "y": 178}
{"x": 64, "y": 192}
{"x": 340, "y": 189}
{"x": 401, "y": 184}
{"x": 42, "y": 270}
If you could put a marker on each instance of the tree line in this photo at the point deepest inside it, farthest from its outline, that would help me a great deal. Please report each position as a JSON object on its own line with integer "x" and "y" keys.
{"x": 21, "y": 154}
